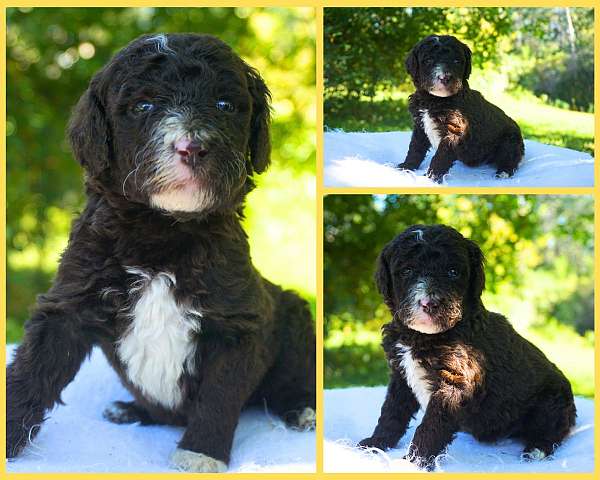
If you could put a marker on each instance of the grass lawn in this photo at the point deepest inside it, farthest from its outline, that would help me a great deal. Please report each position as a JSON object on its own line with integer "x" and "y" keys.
{"x": 538, "y": 120}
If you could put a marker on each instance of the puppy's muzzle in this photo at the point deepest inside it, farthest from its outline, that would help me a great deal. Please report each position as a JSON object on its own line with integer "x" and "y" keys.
{"x": 190, "y": 151}
{"x": 445, "y": 79}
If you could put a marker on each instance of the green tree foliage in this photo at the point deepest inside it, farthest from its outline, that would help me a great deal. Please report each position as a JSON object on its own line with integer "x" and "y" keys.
{"x": 554, "y": 48}
{"x": 365, "y": 48}
{"x": 51, "y": 55}
{"x": 546, "y": 50}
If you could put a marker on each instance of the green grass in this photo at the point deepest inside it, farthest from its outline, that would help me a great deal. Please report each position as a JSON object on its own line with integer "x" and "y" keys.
{"x": 538, "y": 120}
{"x": 354, "y": 357}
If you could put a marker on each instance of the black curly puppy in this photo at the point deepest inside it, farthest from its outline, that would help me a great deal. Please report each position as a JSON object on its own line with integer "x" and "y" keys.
{"x": 157, "y": 271}
{"x": 453, "y": 119}
{"x": 466, "y": 367}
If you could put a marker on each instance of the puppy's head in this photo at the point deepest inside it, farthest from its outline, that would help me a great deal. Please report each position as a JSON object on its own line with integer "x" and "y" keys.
{"x": 427, "y": 275}
{"x": 177, "y": 122}
{"x": 440, "y": 65}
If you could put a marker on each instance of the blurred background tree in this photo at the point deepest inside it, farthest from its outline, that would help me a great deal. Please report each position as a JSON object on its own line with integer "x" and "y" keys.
{"x": 51, "y": 55}
{"x": 535, "y": 63}
{"x": 539, "y": 269}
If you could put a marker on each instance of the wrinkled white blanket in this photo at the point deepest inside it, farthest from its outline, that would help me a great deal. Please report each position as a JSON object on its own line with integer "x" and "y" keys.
{"x": 368, "y": 160}
{"x": 351, "y": 414}
{"x": 75, "y": 437}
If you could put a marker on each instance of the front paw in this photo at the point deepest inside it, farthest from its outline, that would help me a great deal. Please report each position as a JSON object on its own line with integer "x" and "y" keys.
{"x": 406, "y": 166}
{"x": 303, "y": 420}
{"x": 435, "y": 175}
{"x": 423, "y": 463}
{"x": 15, "y": 444}
{"x": 17, "y": 437}
{"x": 188, "y": 461}
{"x": 378, "y": 443}
{"x": 503, "y": 174}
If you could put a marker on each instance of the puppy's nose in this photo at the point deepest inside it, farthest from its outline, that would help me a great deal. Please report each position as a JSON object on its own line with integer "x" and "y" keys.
{"x": 428, "y": 305}
{"x": 188, "y": 149}
{"x": 445, "y": 78}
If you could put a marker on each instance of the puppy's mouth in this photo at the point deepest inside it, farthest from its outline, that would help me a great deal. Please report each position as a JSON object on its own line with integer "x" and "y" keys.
{"x": 181, "y": 189}
{"x": 424, "y": 323}
{"x": 444, "y": 83}
{"x": 427, "y": 313}
{"x": 424, "y": 316}
{"x": 442, "y": 90}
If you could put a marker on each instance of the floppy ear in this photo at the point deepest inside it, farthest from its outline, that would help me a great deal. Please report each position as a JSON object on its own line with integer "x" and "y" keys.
{"x": 477, "y": 272}
{"x": 260, "y": 140}
{"x": 383, "y": 277}
{"x": 89, "y": 133}
{"x": 467, "y": 52}
{"x": 412, "y": 62}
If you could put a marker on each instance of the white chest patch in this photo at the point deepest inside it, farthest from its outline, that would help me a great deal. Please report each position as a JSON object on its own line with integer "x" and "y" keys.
{"x": 416, "y": 376}
{"x": 430, "y": 129}
{"x": 158, "y": 345}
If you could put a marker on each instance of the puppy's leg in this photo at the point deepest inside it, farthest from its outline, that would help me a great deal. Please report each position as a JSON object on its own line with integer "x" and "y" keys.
{"x": 436, "y": 431}
{"x": 418, "y": 147}
{"x": 509, "y": 154}
{"x": 399, "y": 407}
{"x": 45, "y": 363}
{"x": 228, "y": 377}
{"x": 442, "y": 161}
{"x": 127, "y": 412}
{"x": 548, "y": 423}
{"x": 289, "y": 387}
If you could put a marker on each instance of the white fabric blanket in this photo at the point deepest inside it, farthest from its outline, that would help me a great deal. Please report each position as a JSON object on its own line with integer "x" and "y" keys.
{"x": 368, "y": 160}
{"x": 75, "y": 437}
{"x": 351, "y": 414}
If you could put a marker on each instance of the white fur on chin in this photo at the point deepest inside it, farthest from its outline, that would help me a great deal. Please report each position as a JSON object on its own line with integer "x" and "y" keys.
{"x": 181, "y": 200}
{"x": 441, "y": 92}
{"x": 424, "y": 327}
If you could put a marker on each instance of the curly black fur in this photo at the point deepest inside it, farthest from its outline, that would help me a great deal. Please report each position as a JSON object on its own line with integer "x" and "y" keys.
{"x": 453, "y": 119}
{"x": 252, "y": 341}
{"x": 470, "y": 371}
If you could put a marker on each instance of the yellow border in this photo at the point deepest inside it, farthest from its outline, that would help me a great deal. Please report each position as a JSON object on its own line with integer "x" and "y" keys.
{"x": 321, "y": 191}
{"x": 3, "y": 221}
{"x": 319, "y": 124}
{"x": 300, "y": 3}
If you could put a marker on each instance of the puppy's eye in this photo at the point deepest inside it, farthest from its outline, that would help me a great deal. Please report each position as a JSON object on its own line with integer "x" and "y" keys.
{"x": 457, "y": 61}
{"x": 453, "y": 273}
{"x": 143, "y": 107}
{"x": 406, "y": 271}
{"x": 225, "y": 106}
